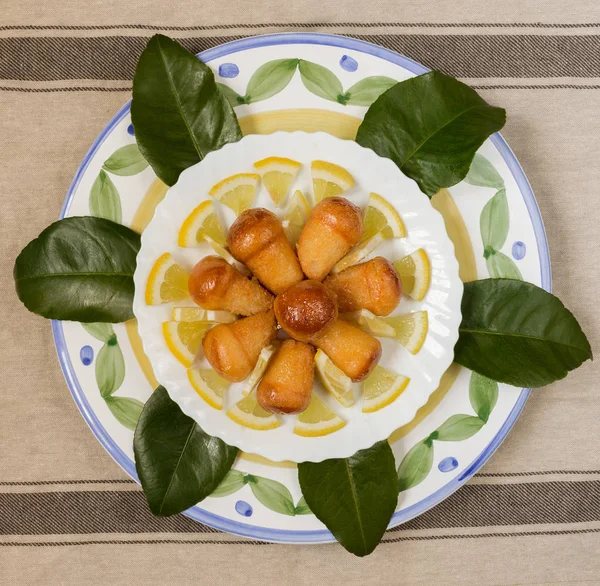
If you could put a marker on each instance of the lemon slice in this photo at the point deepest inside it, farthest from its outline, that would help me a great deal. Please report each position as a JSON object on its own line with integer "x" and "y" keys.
{"x": 329, "y": 180}
{"x": 183, "y": 338}
{"x": 317, "y": 420}
{"x": 167, "y": 282}
{"x": 295, "y": 217}
{"x": 255, "y": 376}
{"x": 381, "y": 388}
{"x": 224, "y": 253}
{"x": 199, "y": 314}
{"x": 415, "y": 274}
{"x": 381, "y": 217}
{"x": 249, "y": 413}
{"x": 370, "y": 323}
{"x": 203, "y": 221}
{"x": 334, "y": 380}
{"x": 410, "y": 329}
{"x": 209, "y": 385}
{"x": 359, "y": 253}
{"x": 236, "y": 192}
{"x": 278, "y": 174}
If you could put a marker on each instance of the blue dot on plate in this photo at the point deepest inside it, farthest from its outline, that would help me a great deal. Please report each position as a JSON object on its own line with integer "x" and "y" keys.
{"x": 519, "y": 250}
{"x": 349, "y": 64}
{"x": 448, "y": 464}
{"x": 243, "y": 508}
{"x": 87, "y": 355}
{"x": 130, "y": 130}
{"x": 229, "y": 70}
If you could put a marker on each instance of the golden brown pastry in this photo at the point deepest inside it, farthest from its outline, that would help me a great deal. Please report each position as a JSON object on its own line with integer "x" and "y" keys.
{"x": 353, "y": 351}
{"x": 372, "y": 285}
{"x": 215, "y": 284}
{"x": 257, "y": 239}
{"x": 333, "y": 228}
{"x": 233, "y": 349}
{"x": 305, "y": 310}
{"x": 288, "y": 382}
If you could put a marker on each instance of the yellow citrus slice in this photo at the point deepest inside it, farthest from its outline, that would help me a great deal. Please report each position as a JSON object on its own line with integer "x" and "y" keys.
{"x": 381, "y": 388}
{"x": 209, "y": 385}
{"x": 410, "y": 329}
{"x": 380, "y": 216}
{"x": 222, "y": 252}
{"x": 199, "y": 314}
{"x": 317, "y": 420}
{"x": 236, "y": 192}
{"x": 359, "y": 253}
{"x": 329, "y": 180}
{"x": 203, "y": 221}
{"x": 370, "y": 323}
{"x": 249, "y": 413}
{"x": 334, "y": 380}
{"x": 295, "y": 217}
{"x": 167, "y": 282}
{"x": 415, "y": 274}
{"x": 183, "y": 338}
{"x": 263, "y": 360}
{"x": 278, "y": 174}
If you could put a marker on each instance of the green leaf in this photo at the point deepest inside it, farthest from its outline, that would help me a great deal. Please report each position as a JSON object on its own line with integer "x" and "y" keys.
{"x": 494, "y": 221}
{"x": 483, "y": 174}
{"x": 126, "y": 161}
{"x": 178, "y": 112}
{"x": 320, "y": 81}
{"x": 233, "y": 481}
{"x": 516, "y": 333}
{"x": 232, "y": 96}
{"x": 269, "y": 79}
{"x": 416, "y": 465}
{"x": 458, "y": 428}
{"x": 354, "y": 497}
{"x": 101, "y": 331}
{"x": 126, "y": 411}
{"x": 430, "y": 126}
{"x": 302, "y": 508}
{"x": 367, "y": 90}
{"x": 177, "y": 463}
{"x": 501, "y": 266}
{"x": 483, "y": 394}
{"x": 79, "y": 269}
{"x": 272, "y": 494}
{"x": 110, "y": 369}
{"x": 105, "y": 201}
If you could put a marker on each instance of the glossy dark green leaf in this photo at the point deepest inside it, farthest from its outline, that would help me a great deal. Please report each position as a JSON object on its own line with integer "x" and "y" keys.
{"x": 416, "y": 465}
{"x": 458, "y": 428}
{"x": 126, "y": 411}
{"x": 178, "y": 112}
{"x": 110, "y": 368}
{"x": 483, "y": 394}
{"x": 177, "y": 463}
{"x": 500, "y": 266}
{"x": 101, "y": 331}
{"x": 272, "y": 494}
{"x": 494, "y": 221}
{"x": 126, "y": 161}
{"x": 269, "y": 79}
{"x": 354, "y": 497}
{"x": 516, "y": 333}
{"x": 232, "y": 96}
{"x": 104, "y": 200}
{"x": 79, "y": 269}
{"x": 233, "y": 481}
{"x": 320, "y": 81}
{"x": 302, "y": 508}
{"x": 483, "y": 174}
{"x": 430, "y": 126}
{"x": 367, "y": 90}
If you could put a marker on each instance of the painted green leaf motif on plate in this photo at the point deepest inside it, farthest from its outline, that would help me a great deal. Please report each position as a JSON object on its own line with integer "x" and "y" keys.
{"x": 272, "y": 494}
{"x": 483, "y": 174}
{"x": 110, "y": 369}
{"x": 494, "y": 221}
{"x": 105, "y": 201}
{"x": 126, "y": 161}
{"x": 367, "y": 90}
{"x": 415, "y": 465}
{"x": 232, "y": 96}
{"x": 302, "y": 508}
{"x": 126, "y": 411}
{"x": 320, "y": 81}
{"x": 500, "y": 266}
{"x": 270, "y": 79}
{"x": 234, "y": 480}
{"x": 483, "y": 394}
{"x": 458, "y": 428}
{"x": 101, "y": 331}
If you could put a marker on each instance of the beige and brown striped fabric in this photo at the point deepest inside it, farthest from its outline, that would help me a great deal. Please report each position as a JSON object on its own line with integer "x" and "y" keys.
{"x": 69, "y": 516}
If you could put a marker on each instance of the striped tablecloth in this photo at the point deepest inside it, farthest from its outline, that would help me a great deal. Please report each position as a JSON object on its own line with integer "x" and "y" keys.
{"x": 68, "y": 514}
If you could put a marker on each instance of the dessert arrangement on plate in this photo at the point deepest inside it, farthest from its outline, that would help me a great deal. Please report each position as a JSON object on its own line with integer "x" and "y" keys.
{"x": 298, "y": 295}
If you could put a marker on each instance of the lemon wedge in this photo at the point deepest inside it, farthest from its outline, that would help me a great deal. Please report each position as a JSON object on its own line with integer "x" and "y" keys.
{"x": 261, "y": 365}
{"x": 199, "y": 314}
{"x": 295, "y": 217}
{"x": 317, "y": 420}
{"x": 167, "y": 282}
{"x": 183, "y": 338}
{"x": 203, "y": 221}
{"x": 415, "y": 273}
{"x": 236, "y": 192}
{"x": 249, "y": 413}
{"x": 329, "y": 180}
{"x": 334, "y": 380}
{"x": 209, "y": 385}
{"x": 410, "y": 329}
{"x": 381, "y": 217}
{"x": 370, "y": 323}
{"x": 381, "y": 388}
{"x": 359, "y": 253}
{"x": 278, "y": 174}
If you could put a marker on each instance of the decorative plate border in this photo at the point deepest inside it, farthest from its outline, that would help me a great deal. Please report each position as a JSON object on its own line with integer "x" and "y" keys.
{"x": 318, "y": 536}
